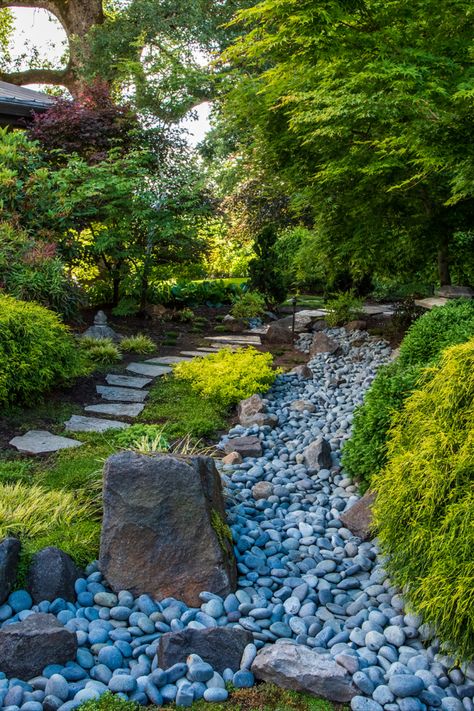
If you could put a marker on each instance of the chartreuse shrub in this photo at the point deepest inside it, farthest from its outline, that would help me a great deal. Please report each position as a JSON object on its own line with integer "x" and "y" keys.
{"x": 37, "y": 351}
{"x": 424, "y": 509}
{"x": 365, "y": 453}
{"x": 229, "y": 376}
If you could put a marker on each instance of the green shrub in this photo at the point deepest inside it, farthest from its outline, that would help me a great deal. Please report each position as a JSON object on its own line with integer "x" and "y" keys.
{"x": 364, "y": 454}
{"x": 137, "y": 344}
{"x": 185, "y": 315}
{"x": 424, "y": 509}
{"x": 248, "y": 305}
{"x": 439, "y": 328}
{"x": 37, "y": 351}
{"x": 101, "y": 351}
{"x": 344, "y": 307}
{"x": 229, "y": 376}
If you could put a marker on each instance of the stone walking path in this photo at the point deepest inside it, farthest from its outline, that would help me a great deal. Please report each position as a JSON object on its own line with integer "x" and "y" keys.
{"x": 124, "y": 396}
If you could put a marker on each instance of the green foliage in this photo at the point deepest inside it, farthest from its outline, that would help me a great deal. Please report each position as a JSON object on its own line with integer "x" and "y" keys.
{"x": 249, "y": 305}
{"x": 101, "y": 351}
{"x": 342, "y": 308}
{"x": 264, "y": 697}
{"x": 183, "y": 410}
{"x": 229, "y": 376}
{"x": 193, "y": 293}
{"x": 439, "y": 328}
{"x": 222, "y": 530}
{"x": 185, "y": 315}
{"x": 264, "y": 272}
{"x": 362, "y": 111}
{"x": 37, "y": 351}
{"x": 143, "y": 438}
{"x": 140, "y": 343}
{"x": 365, "y": 453}
{"x": 424, "y": 509}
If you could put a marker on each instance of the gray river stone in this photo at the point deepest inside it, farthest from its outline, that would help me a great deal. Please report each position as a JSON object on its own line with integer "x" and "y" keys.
{"x": 153, "y": 371}
{"x": 79, "y": 423}
{"x": 118, "y": 409}
{"x": 110, "y": 392}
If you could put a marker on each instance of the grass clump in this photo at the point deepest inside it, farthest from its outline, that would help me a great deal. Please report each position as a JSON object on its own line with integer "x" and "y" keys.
{"x": 344, "y": 307}
{"x": 424, "y": 509}
{"x": 264, "y": 697}
{"x": 248, "y": 305}
{"x": 143, "y": 438}
{"x": 37, "y": 352}
{"x": 101, "y": 351}
{"x": 229, "y": 376}
{"x": 365, "y": 453}
{"x": 140, "y": 343}
{"x": 182, "y": 410}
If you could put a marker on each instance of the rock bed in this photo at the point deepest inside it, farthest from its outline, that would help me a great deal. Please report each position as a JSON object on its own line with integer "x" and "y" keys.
{"x": 304, "y": 578}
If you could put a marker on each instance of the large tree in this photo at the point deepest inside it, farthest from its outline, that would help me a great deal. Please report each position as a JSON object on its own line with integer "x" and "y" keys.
{"x": 153, "y": 49}
{"x": 364, "y": 109}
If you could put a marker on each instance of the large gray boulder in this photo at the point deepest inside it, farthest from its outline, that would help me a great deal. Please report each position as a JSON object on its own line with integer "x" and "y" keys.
{"x": 221, "y": 647}
{"x": 164, "y": 530}
{"x": 52, "y": 574}
{"x": 27, "y": 647}
{"x": 323, "y": 343}
{"x": 9, "y": 554}
{"x": 249, "y": 446}
{"x": 296, "y": 667}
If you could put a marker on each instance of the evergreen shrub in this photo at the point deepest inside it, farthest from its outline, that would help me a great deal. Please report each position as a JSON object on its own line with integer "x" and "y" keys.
{"x": 424, "y": 509}
{"x": 37, "y": 351}
{"x": 229, "y": 376}
{"x": 365, "y": 453}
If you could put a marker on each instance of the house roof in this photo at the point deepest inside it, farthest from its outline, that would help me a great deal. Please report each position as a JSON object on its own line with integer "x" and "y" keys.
{"x": 17, "y": 104}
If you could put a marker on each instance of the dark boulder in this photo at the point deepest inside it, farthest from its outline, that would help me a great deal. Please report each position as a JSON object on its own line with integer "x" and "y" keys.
{"x": 249, "y": 446}
{"x": 9, "y": 554}
{"x": 221, "y": 647}
{"x": 27, "y": 647}
{"x": 358, "y": 519}
{"x": 164, "y": 530}
{"x": 52, "y": 574}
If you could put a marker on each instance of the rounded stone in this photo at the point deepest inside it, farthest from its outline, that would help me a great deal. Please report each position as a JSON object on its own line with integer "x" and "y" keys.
{"x": 362, "y": 703}
{"x": 216, "y": 695}
{"x": 403, "y": 685}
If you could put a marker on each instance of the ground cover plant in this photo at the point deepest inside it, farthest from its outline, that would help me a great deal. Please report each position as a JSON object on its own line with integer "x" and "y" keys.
{"x": 248, "y": 305}
{"x": 140, "y": 343}
{"x": 424, "y": 509}
{"x": 37, "y": 352}
{"x": 342, "y": 308}
{"x": 365, "y": 453}
{"x": 100, "y": 351}
{"x": 229, "y": 376}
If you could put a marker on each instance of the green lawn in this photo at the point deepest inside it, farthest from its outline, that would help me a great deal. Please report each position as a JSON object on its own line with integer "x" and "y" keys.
{"x": 307, "y": 301}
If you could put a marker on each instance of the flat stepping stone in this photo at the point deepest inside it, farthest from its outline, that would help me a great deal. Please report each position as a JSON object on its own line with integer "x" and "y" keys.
{"x": 154, "y": 371}
{"x": 167, "y": 360}
{"x": 119, "y": 409}
{"x": 79, "y": 423}
{"x": 109, "y": 392}
{"x": 127, "y": 381}
{"x": 431, "y": 302}
{"x": 42, "y": 441}
{"x": 246, "y": 340}
{"x": 196, "y": 354}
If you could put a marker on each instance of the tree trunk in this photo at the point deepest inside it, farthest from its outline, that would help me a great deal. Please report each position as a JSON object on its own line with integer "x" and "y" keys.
{"x": 77, "y": 18}
{"x": 443, "y": 263}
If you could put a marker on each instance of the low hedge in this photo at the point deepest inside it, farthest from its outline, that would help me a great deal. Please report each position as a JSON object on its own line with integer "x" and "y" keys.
{"x": 424, "y": 510}
{"x": 36, "y": 351}
{"x": 229, "y": 376}
{"x": 365, "y": 453}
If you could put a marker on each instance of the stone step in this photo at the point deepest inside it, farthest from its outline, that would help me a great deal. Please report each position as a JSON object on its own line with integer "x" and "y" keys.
{"x": 79, "y": 423}
{"x": 127, "y": 381}
{"x": 167, "y": 360}
{"x": 118, "y": 409}
{"x": 244, "y": 340}
{"x": 153, "y": 371}
{"x": 195, "y": 354}
{"x": 109, "y": 392}
{"x": 42, "y": 441}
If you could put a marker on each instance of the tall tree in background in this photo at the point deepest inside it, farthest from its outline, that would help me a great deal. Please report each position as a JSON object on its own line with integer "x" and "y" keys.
{"x": 364, "y": 109}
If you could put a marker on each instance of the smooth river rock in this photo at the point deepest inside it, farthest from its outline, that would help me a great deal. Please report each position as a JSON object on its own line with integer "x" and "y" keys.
{"x": 163, "y": 530}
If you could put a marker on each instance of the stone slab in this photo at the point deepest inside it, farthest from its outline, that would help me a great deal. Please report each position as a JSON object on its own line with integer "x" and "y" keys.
{"x": 79, "y": 423}
{"x": 154, "y": 371}
{"x": 41, "y": 441}
{"x": 431, "y": 302}
{"x": 249, "y": 340}
{"x": 118, "y": 409}
{"x": 127, "y": 381}
{"x": 167, "y": 360}
{"x": 110, "y": 392}
{"x": 197, "y": 354}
